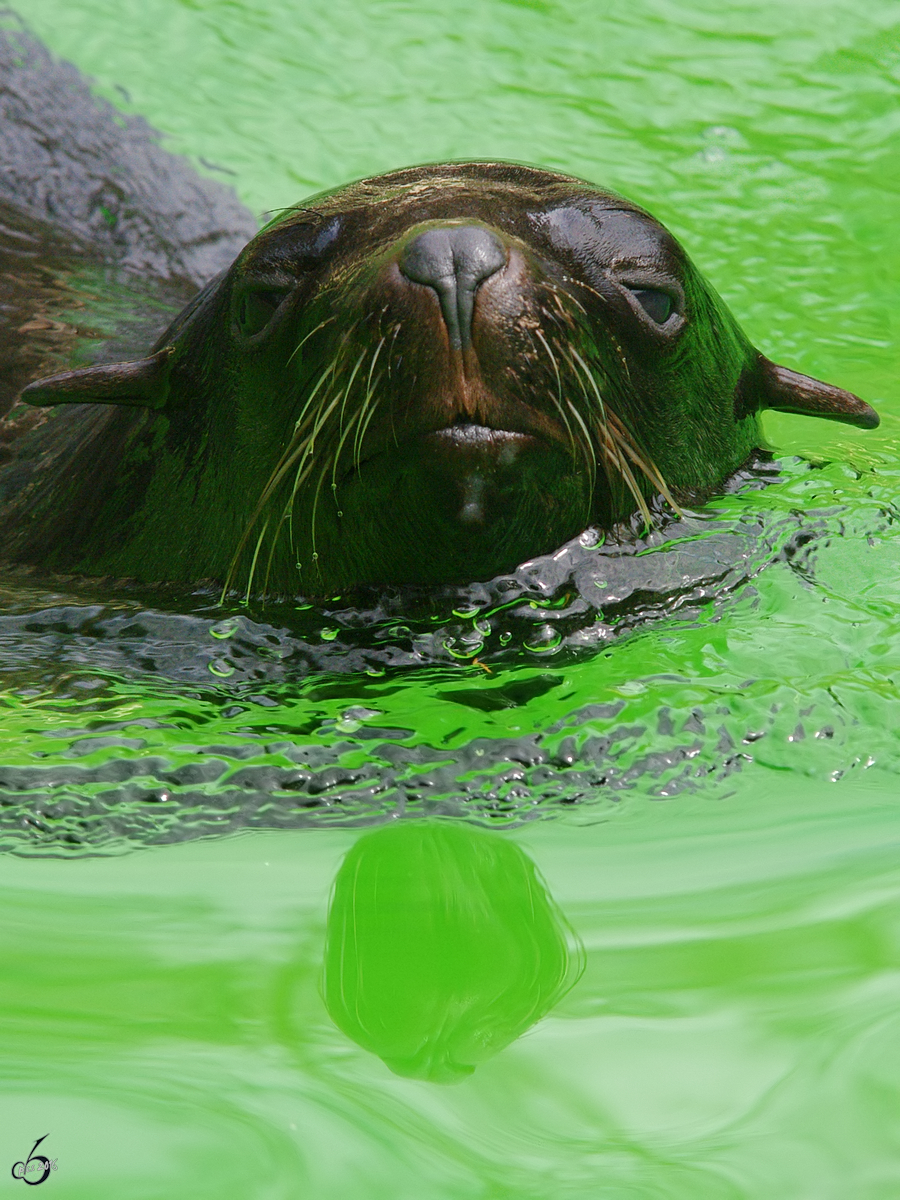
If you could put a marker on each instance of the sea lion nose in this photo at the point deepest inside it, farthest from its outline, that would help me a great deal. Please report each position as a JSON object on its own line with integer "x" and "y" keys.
{"x": 454, "y": 260}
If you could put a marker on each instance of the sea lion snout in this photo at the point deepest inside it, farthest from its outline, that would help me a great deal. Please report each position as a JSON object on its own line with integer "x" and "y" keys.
{"x": 454, "y": 260}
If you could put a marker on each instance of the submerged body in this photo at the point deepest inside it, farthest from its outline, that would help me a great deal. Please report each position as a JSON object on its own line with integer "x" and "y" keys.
{"x": 424, "y": 377}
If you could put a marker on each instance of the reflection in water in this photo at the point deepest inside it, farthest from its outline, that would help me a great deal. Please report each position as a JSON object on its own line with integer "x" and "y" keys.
{"x": 443, "y": 947}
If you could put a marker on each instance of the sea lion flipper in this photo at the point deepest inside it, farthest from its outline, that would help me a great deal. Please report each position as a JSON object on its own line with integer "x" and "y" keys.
{"x": 142, "y": 384}
{"x": 788, "y": 391}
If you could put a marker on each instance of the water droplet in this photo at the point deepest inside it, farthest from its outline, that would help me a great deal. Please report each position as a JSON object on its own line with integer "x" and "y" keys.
{"x": 220, "y": 667}
{"x": 469, "y": 650}
{"x": 359, "y": 712}
{"x": 465, "y": 613}
{"x": 224, "y": 629}
{"x": 328, "y": 635}
{"x": 544, "y": 640}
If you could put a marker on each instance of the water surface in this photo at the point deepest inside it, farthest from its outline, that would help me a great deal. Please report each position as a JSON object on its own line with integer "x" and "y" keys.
{"x": 708, "y": 793}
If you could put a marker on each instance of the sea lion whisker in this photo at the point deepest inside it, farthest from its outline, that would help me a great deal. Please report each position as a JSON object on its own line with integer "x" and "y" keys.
{"x": 609, "y": 435}
{"x": 242, "y": 542}
{"x": 591, "y": 460}
{"x": 617, "y": 443}
{"x": 354, "y": 420}
{"x": 614, "y": 456}
{"x": 324, "y": 415}
{"x": 552, "y": 357}
{"x": 363, "y": 427}
{"x": 642, "y": 460}
{"x": 391, "y": 348}
{"x": 300, "y": 479}
{"x": 570, "y": 299}
{"x": 560, "y": 319}
{"x": 301, "y": 421}
{"x": 558, "y": 402}
{"x": 304, "y": 340}
{"x": 564, "y": 302}
{"x": 378, "y": 350}
{"x": 573, "y": 441}
{"x": 586, "y": 287}
{"x": 272, "y": 545}
{"x": 298, "y": 451}
{"x": 295, "y": 450}
{"x": 319, "y": 421}
{"x": 590, "y": 378}
{"x": 366, "y": 411}
{"x": 315, "y": 510}
{"x": 287, "y": 514}
{"x": 301, "y": 474}
{"x": 305, "y": 449}
{"x": 347, "y": 390}
{"x": 578, "y": 374}
{"x": 581, "y": 371}
{"x": 256, "y": 550}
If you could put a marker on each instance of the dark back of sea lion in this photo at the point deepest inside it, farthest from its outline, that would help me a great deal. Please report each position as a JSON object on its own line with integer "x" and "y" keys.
{"x": 91, "y": 204}
{"x": 424, "y": 377}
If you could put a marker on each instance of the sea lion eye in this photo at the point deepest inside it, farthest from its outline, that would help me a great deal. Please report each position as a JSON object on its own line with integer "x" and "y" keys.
{"x": 255, "y": 310}
{"x": 657, "y": 305}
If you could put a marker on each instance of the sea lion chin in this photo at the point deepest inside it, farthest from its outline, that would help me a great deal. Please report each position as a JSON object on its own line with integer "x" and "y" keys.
{"x": 428, "y": 376}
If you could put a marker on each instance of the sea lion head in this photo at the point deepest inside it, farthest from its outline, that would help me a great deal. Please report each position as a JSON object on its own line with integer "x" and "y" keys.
{"x": 424, "y": 377}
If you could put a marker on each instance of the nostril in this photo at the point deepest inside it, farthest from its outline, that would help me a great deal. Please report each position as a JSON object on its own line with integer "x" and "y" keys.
{"x": 454, "y": 260}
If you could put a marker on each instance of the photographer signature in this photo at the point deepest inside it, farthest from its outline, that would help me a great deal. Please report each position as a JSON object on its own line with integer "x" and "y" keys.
{"x": 34, "y": 1164}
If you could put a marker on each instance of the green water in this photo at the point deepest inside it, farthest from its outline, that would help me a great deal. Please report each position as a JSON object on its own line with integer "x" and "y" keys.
{"x": 734, "y": 899}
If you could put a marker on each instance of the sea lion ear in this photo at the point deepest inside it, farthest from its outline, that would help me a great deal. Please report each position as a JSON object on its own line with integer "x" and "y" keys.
{"x": 142, "y": 384}
{"x": 788, "y": 391}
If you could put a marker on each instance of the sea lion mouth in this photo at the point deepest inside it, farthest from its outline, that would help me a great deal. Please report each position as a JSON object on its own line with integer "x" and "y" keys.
{"x": 467, "y": 433}
{"x": 466, "y": 436}
{"x": 464, "y": 443}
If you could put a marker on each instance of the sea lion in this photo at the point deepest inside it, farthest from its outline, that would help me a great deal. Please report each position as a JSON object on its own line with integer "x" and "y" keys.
{"x": 427, "y": 376}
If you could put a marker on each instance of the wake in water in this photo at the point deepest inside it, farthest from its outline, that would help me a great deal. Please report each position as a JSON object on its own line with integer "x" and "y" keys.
{"x": 138, "y": 722}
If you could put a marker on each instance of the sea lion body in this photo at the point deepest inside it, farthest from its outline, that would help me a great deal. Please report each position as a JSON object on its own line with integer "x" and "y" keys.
{"x": 424, "y": 377}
